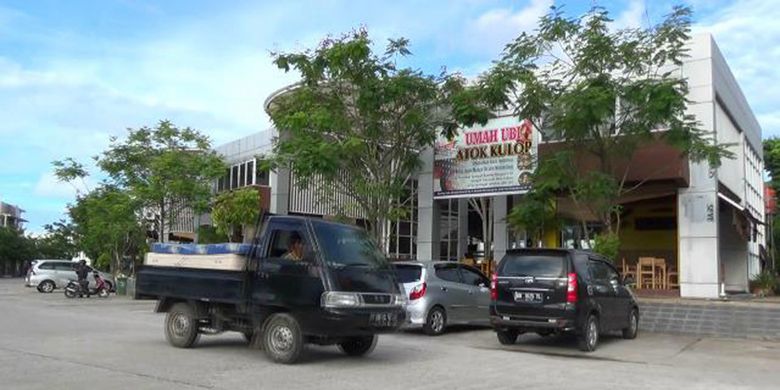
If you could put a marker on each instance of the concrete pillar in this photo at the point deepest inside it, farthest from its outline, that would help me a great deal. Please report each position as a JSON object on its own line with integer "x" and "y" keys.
{"x": 463, "y": 227}
{"x": 499, "y": 227}
{"x": 427, "y": 212}
{"x": 280, "y": 191}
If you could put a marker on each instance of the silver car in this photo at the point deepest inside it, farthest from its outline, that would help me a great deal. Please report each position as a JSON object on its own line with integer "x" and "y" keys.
{"x": 48, "y": 275}
{"x": 443, "y": 293}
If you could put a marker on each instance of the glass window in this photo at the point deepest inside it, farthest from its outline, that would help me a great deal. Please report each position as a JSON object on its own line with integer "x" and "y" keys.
{"x": 234, "y": 177}
{"x": 250, "y": 173}
{"x": 47, "y": 265}
{"x": 62, "y": 266}
{"x": 472, "y": 277}
{"x": 533, "y": 265}
{"x": 599, "y": 271}
{"x": 408, "y": 273}
{"x": 448, "y": 273}
{"x": 347, "y": 246}
{"x": 242, "y": 175}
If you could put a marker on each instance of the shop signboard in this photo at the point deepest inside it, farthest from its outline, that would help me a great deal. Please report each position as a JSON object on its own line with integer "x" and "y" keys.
{"x": 495, "y": 159}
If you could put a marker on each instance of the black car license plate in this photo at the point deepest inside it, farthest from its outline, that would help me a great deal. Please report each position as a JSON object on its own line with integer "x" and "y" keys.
{"x": 382, "y": 319}
{"x": 528, "y": 297}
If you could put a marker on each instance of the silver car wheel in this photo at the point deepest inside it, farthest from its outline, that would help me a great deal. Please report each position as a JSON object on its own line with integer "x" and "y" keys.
{"x": 47, "y": 286}
{"x": 180, "y": 325}
{"x": 593, "y": 333}
{"x": 437, "y": 321}
{"x": 281, "y": 338}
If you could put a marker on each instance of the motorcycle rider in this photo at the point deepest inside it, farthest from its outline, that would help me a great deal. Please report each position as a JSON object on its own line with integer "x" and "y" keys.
{"x": 81, "y": 272}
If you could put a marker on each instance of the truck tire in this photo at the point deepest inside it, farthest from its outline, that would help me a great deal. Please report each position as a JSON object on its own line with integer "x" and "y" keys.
{"x": 507, "y": 336}
{"x": 283, "y": 339}
{"x": 358, "y": 346}
{"x": 181, "y": 326}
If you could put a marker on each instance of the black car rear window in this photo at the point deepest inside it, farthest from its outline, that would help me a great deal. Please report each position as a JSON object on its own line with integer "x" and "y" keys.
{"x": 408, "y": 273}
{"x": 532, "y": 265}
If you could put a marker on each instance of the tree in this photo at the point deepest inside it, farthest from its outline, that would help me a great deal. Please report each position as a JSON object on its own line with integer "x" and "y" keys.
{"x": 235, "y": 209}
{"x": 603, "y": 91}
{"x": 108, "y": 226}
{"x": 356, "y": 124}
{"x": 166, "y": 169}
{"x": 15, "y": 248}
{"x": 60, "y": 241}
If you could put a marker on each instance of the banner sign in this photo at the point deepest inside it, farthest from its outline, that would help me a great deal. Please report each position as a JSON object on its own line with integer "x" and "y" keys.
{"x": 495, "y": 159}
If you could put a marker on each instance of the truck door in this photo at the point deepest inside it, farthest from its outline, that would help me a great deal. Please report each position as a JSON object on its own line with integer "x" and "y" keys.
{"x": 288, "y": 272}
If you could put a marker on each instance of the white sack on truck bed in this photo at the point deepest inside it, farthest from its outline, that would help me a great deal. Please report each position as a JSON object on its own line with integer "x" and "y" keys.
{"x": 222, "y": 262}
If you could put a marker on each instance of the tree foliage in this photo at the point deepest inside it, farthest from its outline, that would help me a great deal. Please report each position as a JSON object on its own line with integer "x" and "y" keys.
{"x": 233, "y": 210}
{"x": 772, "y": 161}
{"x": 357, "y": 122}
{"x": 165, "y": 169}
{"x": 605, "y": 91}
{"x": 106, "y": 221}
{"x": 15, "y": 248}
{"x": 59, "y": 241}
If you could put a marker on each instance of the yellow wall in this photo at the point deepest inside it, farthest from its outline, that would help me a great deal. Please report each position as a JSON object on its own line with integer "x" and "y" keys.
{"x": 633, "y": 240}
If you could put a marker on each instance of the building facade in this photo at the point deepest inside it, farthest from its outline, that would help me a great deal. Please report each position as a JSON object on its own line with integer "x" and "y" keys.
{"x": 11, "y": 216}
{"x": 705, "y": 223}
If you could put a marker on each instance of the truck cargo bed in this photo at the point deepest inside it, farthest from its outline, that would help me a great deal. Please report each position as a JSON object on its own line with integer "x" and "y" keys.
{"x": 190, "y": 283}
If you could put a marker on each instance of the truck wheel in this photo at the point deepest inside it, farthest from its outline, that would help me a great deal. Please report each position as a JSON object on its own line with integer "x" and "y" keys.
{"x": 588, "y": 337}
{"x": 436, "y": 321}
{"x": 181, "y": 326}
{"x": 358, "y": 346}
{"x": 282, "y": 339}
{"x": 507, "y": 336}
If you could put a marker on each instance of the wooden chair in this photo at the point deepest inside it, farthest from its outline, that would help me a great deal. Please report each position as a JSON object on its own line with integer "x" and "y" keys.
{"x": 645, "y": 270}
{"x": 673, "y": 279}
{"x": 628, "y": 270}
{"x": 659, "y": 268}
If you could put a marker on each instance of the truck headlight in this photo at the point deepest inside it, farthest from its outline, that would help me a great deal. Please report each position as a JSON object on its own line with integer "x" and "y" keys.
{"x": 400, "y": 299}
{"x": 337, "y": 299}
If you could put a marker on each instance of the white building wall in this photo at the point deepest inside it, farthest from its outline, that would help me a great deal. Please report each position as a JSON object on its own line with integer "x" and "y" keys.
{"x": 697, "y": 216}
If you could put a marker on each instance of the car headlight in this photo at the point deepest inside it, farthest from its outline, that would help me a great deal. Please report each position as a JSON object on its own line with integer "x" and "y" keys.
{"x": 400, "y": 299}
{"x": 337, "y": 299}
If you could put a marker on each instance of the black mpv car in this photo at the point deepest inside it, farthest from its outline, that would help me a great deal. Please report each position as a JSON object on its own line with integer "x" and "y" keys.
{"x": 552, "y": 291}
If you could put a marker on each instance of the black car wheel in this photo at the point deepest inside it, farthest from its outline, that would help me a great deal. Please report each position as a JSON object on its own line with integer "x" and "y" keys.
{"x": 633, "y": 325}
{"x": 282, "y": 339}
{"x": 358, "y": 346}
{"x": 436, "y": 321}
{"x": 588, "y": 337}
{"x": 507, "y": 336}
{"x": 181, "y": 326}
{"x": 46, "y": 286}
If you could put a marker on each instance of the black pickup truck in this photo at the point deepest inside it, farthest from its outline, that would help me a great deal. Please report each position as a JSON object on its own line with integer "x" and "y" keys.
{"x": 336, "y": 288}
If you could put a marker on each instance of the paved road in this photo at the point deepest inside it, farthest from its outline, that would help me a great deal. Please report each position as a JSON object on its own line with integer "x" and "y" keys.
{"x": 49, "y": 342}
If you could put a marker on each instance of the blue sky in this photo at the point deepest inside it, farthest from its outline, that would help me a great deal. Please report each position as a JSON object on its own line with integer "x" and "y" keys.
{"x": 74, "y": 73}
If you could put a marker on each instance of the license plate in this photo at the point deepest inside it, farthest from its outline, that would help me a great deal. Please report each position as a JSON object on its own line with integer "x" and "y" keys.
{"x": 528, "y": 297}
{"x": 382, "y": 319}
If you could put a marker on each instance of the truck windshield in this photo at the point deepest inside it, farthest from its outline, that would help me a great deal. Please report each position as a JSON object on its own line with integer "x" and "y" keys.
{"x": 345, "y": 246}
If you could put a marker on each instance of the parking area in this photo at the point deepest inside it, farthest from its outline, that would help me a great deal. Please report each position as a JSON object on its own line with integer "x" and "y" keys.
{"x": 49, "y": 341}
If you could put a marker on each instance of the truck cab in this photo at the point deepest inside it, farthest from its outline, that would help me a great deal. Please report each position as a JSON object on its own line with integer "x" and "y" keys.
{"x": 305, "y": 280}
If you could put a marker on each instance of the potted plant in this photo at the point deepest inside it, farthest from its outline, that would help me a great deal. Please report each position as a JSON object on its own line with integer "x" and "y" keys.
{"x": 763, "y": 284}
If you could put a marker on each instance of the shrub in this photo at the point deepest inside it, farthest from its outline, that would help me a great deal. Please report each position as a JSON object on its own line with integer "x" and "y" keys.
{"x": 607, "y": 245}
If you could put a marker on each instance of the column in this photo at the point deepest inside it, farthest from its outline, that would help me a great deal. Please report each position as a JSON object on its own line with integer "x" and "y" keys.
{"x": 280, "y": 191}
{"x": 427, "y": 212}
{"x": 498, "y": 204}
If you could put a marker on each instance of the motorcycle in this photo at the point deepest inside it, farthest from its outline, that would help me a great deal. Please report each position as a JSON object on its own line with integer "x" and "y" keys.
{"x": 74, "y": 289}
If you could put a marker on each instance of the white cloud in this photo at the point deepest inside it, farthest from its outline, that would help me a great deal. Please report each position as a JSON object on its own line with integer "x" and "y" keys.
{"x": 49, "y": 187}
{"x": 632, "y": 17}
{"x": 493, "y": 29}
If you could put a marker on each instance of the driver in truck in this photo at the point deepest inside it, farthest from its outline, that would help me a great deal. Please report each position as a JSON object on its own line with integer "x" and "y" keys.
{"x": 294, "y": 248}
